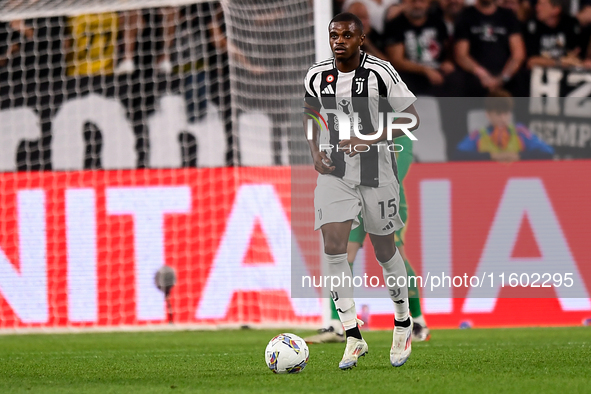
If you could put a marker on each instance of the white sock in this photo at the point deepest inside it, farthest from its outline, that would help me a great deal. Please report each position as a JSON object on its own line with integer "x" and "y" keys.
{"x": 393, "y": 269}
{"x": 342, "y": 295}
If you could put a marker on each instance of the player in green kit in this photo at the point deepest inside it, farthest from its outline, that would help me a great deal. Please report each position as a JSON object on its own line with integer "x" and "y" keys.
{"x": 420, "y": 331}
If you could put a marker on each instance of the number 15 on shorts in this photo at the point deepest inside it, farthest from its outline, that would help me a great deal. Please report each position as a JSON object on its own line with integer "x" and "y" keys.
{"x": 390, "y": 205}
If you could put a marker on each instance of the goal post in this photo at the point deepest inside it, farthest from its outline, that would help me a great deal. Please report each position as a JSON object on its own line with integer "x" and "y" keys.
{"x": 139, "y": 134}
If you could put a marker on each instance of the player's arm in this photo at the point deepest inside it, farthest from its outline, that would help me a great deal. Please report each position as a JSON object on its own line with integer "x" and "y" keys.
{"x": 322, "y": 163}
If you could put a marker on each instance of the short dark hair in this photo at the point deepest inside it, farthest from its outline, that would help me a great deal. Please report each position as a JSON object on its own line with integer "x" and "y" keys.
{"x": 348, "y": 17}
{"x": 498, "y": 101}
{"x": 557, "y": 3}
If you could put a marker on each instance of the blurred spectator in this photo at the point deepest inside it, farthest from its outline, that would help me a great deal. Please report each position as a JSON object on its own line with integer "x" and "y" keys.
{"x": 132, "y": 24}
{"x": 489, "y": 48}
{"x": 553, "y": 37}
{"x": 502, "y": 140}
{"x": 418, "y": 48}
{"x": 189, "y": 52}
{"x": 373, "y": 43}
{"x": 584, "y": 14}
{"x": 521, "y": 8}
{"x": 451, "y": 9}
{"x": 586, "y": 40}
{"x": 33, "y": 57}
{"x": 91, "y": 43}
{"x": 380, "y": 11}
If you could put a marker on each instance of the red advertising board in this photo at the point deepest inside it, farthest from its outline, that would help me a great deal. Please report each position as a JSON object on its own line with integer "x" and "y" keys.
{"x": 80, "y": 249}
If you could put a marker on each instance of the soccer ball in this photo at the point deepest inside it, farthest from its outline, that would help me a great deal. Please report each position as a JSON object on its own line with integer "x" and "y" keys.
{"x": 286, "y": 353}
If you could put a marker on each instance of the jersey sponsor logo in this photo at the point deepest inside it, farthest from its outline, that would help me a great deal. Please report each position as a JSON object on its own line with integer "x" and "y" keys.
{"x": 328, "y": 89}
{"x": 388, "y": 226}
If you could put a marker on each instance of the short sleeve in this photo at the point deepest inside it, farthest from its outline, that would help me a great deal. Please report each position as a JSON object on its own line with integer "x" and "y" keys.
{"x": 310, "y": 96}
{"x": 399, "y": 95}
{"x": 393, "y": 32}
{"x": 513, "y": 24}
{"x": 462, "y": 29}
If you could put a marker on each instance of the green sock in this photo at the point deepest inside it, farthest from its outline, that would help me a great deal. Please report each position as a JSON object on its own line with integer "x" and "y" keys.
{"x": 334, "y": 315}
{"x": 414, "y": 302}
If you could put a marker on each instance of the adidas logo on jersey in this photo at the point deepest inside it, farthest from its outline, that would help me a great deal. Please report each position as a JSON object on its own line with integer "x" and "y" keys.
{"x": 388, "y": 226}
{"x": 328, "y": 90}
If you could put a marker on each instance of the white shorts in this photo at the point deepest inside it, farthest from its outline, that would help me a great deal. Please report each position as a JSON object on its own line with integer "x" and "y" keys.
{"x": 336, "y": 201}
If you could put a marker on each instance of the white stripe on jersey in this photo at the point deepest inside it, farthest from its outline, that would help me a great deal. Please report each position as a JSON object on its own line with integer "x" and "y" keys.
{"x": 397, "y": 94}
{"x": 343, "y": 93}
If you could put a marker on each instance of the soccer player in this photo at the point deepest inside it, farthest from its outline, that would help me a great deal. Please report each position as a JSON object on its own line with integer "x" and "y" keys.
{"x": 420, "y": 331}
{"x": 350, "y": 183}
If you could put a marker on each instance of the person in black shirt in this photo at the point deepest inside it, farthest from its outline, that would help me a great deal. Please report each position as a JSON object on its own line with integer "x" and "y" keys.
{"x": 553, "y": 38}
{"x": 489, "y": 48}
{"x": 451, "y": 9}
{"x": 373, "y": 43}
{"x": 417, "y": 46}
{"x": 586, "y": 54}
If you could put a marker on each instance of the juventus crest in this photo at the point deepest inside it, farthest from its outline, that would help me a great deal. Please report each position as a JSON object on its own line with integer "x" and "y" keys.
{"x": 359, "y": 85}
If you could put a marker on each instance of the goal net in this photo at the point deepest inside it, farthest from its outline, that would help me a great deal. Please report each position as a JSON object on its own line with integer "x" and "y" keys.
{"x": 141, "y": 134}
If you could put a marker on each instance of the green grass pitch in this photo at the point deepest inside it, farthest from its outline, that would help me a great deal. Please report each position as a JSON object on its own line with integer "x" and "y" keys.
{"x": 490, "y": 361}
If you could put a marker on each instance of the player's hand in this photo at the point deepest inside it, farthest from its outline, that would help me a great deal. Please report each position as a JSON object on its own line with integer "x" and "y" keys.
{"x": 322, "y": 163}
{"x": 434, "y": 76}
{"x": 348, "y": 146}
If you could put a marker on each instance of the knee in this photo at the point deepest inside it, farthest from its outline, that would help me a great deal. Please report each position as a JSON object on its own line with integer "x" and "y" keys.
{"x": 333, "y": 245}
{"x": 384, "y": 252}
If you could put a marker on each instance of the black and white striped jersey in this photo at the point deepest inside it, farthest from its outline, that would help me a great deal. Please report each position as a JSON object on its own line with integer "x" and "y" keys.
{"x": 358, "y": 91}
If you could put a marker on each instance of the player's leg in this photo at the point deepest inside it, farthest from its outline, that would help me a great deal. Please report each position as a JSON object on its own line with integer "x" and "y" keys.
{"x": 336, "y": 236}
{"x": 380, "y": 213}
{"x": 395, "y": 277}
{"x": 420, "y": 331}
{"x": 337, "y": 206}
{"x": 334, "y": 331}
{"x": 356, "y": 238}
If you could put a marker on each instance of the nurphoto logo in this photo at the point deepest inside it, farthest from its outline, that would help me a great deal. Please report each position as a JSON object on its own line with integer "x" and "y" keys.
{"x": 344, "y": 123}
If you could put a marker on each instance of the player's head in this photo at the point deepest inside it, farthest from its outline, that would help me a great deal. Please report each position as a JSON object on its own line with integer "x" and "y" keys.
{"x": 416, "y": 9}
{"x": 345, "y": 32}
{"x": 499, "y": 106}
